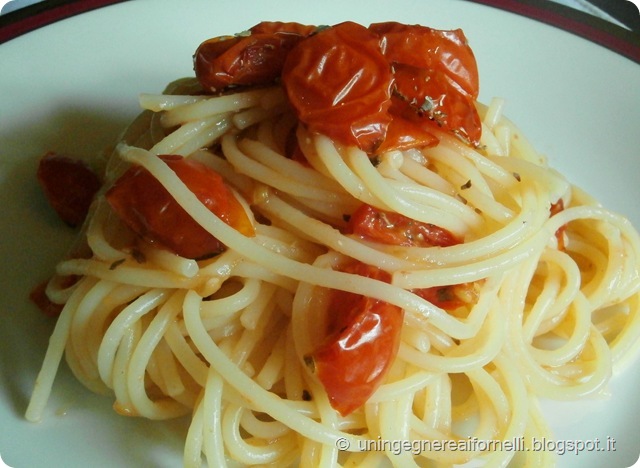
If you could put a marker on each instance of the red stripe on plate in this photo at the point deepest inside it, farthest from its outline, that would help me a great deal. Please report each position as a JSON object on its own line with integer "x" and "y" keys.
{"x": 597, "y": 30}
{"x": 35, "y": 16}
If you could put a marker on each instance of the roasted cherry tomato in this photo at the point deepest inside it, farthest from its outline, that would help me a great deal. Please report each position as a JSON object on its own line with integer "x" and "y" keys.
{"x": 151, "y": 212}
{"x": 443, "y": 51}
{"x": 339, "y": 84}
{"x": 69, "y": 185}
{"x": 361, "y": 344}
{"x": 253, "y": 59}
{"x": 435, "y": 72}
{"x": 391, "y": 228}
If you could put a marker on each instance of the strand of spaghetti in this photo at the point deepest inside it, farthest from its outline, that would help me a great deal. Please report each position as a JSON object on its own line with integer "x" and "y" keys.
{"x": 523, "y": 226}
{"x": 129, "y": 315}
{"x": 203, "y": 109}
{"x": 96, "y": 239}
{"x": 460, "y": 169}
{"x": 324, "y": 234}
{"x": 165, "y": 102}
{"x": 162, "y": 408}
{"x": 169, "y": 261}
{"x": 626, "y": 340}
{"x": 256, "y": 115}
{"x": 117, "y": 380}
{"x": 275, "y": 451}
{"x": 490, "y": 167}
{"x": 415, "y": 167}
{"x": 79, "y": 356}
{"x": 262, "y": 429}
{"x": 518, "y": 410}
{"x": 434, "y": 200}
{"x": 477, "y": 352}
{"x": 562, "y": 283}
{"x": 361, "y": 165}
{"x": 545, "y": 381}
{"x": 194, "y": 441}
{"x": 213, "y": 442}
{"x": 319, "y": 149}
{"x": 224, "y": 307}
{"x": 57, "y": 341}
{"x": 203, "y": 132}
{"x": 256, "y": 170}
{"x": 273, "y": 369}
{"x": 261, "y": 153}
{"x": 572, "y": 346}
{"x": 166, "y": 373}
{"x": 326, "y": 456}
{"x": 492, "y": 112}
{"x": 123, "y": 273}
{"x": 89, "y": 341}
{"x": 394, "y": 425}
{"x": 266, "y": 401}
{"x": 389, "y": 391}
{"x": 185, "y": 355}
{"x": 481, "y": 269}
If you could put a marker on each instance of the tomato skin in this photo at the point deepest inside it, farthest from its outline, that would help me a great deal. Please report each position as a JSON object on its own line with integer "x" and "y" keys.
{"x": 407, "y": 129}
{"x": 440, "y": 296}
{"x": 392, "y": 228}
{"x": 432, "y": 95}
{"x": 150, "y": 211}
{"x": 69, "y": 185}
{"x": 362, "y": 342}
{"x": 446, "y": 52}
{"x": 256, "y": 59}
{"x": 283, "y": 27}
{"x": 339, "y": 84}
{"x": 435, "y": 72}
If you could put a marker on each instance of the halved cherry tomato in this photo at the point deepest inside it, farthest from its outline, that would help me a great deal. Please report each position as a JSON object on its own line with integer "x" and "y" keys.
{"x": 253, "y": 59}
{"x": 362, "y": 342}
{"x": 151, "y": 212}
{"x": 392, "y": 228}
{"x": 339, "y": 84}
{"x": 69, "y": 185}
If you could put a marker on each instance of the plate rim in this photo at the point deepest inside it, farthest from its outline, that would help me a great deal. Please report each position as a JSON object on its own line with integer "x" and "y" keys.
{"x": 609, "y": 35}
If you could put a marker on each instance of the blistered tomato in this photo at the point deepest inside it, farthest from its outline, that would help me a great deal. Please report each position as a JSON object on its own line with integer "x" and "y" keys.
{"x": 252, "y": 59}
{"x": 69, "y": 185}
{"x": 339, "y": 85}
{"x": 392, "y": 228}
{"x": 361, "y": 344}
{"x": 151, "y": 212}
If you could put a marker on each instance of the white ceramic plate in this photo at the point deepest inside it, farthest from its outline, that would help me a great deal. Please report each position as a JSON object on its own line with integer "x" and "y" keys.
{"x": 73, "y": 85}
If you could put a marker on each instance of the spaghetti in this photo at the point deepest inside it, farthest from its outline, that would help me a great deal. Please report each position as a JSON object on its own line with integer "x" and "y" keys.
{"x": 537, "y": 295}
